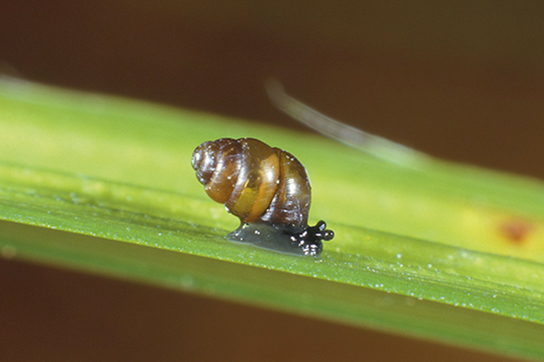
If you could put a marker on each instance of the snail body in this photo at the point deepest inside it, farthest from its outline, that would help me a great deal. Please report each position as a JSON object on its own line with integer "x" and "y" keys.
{"x": 266, "y": 188}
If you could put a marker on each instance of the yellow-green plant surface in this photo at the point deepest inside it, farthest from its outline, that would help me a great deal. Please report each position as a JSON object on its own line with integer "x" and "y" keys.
{"x": 440, "y": 251}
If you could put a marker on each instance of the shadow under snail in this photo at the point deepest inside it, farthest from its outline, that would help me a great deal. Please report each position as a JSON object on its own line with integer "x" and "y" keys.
{"x": 266, "y": 188}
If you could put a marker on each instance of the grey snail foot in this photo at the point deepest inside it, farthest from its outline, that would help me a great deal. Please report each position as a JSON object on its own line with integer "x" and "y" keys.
{"x": 294, "y": 240}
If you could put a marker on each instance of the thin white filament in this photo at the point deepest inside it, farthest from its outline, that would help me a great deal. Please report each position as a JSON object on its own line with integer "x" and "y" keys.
{"x": 371, "y": 144}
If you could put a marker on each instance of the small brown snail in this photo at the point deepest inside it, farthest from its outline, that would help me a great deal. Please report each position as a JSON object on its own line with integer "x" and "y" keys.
{"x": 266, "y": 188}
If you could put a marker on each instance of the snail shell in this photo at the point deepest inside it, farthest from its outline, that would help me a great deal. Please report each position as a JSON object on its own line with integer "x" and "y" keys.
{"x": 266, "y": 188}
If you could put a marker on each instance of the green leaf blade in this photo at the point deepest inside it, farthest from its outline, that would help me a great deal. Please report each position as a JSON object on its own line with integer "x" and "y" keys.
{"x": 426, "y": 252}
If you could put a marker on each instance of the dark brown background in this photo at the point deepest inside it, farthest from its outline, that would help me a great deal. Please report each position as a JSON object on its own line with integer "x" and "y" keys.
{"x": 461, "y": 81}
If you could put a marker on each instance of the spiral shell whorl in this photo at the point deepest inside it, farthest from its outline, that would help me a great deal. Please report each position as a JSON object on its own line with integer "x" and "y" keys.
{"x": 204, "y": 161}
{"x": 291, "y": 203}
{"x": 255, "y": 181}
{"x": 217, "y": 165}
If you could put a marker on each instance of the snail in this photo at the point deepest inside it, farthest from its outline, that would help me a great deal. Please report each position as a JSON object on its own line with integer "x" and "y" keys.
{"x": 267, "y": 189}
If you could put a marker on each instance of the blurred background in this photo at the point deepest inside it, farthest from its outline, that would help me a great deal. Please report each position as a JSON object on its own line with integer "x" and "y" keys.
{"x": 463, "y": 81}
